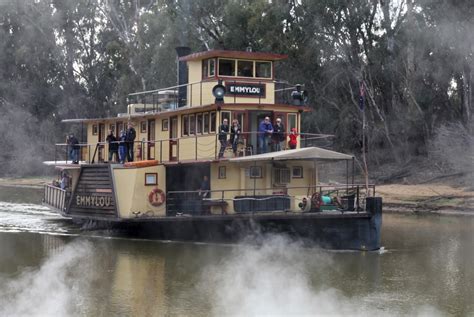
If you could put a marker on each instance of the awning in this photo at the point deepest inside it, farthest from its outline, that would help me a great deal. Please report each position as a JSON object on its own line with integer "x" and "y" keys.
{"x": 310, "y": 153}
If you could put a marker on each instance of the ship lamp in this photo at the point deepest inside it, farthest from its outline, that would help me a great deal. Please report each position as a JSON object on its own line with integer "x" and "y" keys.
{"x": 219, "y": 91}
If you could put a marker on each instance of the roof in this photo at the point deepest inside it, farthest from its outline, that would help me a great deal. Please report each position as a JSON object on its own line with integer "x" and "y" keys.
{"x": 309, "y": 153}
{"x": 234, "y": 54}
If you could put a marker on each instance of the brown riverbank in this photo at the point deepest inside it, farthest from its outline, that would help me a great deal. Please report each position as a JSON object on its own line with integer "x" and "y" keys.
{"x": 26, "y": 182}
{"x": 427, "y": 198}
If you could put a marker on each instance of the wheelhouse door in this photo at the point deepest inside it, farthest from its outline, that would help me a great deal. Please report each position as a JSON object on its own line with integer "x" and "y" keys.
{"x": 242, "y": 117}
{"x": 101, "y": 146}
{"x": 173, "y": 138}
{"x": 151, "y": 139}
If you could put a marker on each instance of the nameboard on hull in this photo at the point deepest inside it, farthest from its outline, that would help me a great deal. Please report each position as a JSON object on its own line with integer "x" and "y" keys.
{"x": 93, "y": 195}
{"x": 245, "y": 89}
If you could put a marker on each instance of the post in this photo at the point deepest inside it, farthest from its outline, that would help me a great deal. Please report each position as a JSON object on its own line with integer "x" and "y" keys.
{"x": 347, "y": 177}
{"x": 161, "y": 151}
{"x": 195, "y": 145}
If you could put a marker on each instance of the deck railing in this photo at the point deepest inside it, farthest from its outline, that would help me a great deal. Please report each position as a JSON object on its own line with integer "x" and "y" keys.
{"x": 199, "y": 94}
{"x": 193, "y": 147}
{"x": 55, "y": 197}
{"x": 344, "y": 198}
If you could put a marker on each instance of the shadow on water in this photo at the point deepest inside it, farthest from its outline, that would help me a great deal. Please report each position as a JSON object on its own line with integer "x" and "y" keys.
{"x": 425, "y": 269}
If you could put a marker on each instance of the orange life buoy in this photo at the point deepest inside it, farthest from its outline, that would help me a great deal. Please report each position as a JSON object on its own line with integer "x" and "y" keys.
{"x": 156, "y": 197}
{"x": 141, "y": 163}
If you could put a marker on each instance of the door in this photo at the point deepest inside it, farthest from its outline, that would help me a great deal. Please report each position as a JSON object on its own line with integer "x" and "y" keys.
{"x": 255, "y": 117}
{"x": 151, "y": 139}
{"x": 242, "y": 117}
{"x": 101, "y": 140}
{"x": 173, "y": 138}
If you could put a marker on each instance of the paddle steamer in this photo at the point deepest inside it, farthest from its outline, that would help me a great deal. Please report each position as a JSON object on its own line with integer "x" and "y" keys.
{"x": 160, "y": 193}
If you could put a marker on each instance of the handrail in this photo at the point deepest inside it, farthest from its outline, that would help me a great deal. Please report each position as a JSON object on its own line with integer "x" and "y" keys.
{"x": 179, "y": 96}
{"x": 346, "y": 197}
{"x": 202, "y": 150}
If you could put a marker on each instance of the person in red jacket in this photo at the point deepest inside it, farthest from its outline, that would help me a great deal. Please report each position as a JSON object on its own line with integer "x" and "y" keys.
{"x": 293, "y": 139}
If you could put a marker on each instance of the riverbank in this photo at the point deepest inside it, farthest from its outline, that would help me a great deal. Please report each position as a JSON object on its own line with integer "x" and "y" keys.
{"x": 431, "y": 198}
{"x": 26, "y": 182}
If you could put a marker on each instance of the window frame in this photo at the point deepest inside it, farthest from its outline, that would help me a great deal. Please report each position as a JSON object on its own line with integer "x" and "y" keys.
{"x": 300, "y": 168}
{"x": 164, "y": 124}
{"x": 259, "y": 174}
{"x": 205, "y": 129}
{"x": 212, "y": 122}
{"x": 222, "y": 172}
{"x": 153, "y": 183}
{"x": 192, "y": 124}
{"x": 184, "y": 125}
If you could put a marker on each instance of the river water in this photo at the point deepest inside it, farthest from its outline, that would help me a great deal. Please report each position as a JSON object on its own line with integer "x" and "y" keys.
{"x": 50, "y": 267}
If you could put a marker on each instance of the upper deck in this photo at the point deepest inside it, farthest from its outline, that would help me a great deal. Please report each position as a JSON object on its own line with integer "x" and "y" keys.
{"x": 181, "y": 123}
{"x": 248, "y": 79}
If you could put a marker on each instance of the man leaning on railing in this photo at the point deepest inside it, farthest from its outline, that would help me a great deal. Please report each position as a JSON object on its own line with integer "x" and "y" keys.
{"x": 74, "y": 147}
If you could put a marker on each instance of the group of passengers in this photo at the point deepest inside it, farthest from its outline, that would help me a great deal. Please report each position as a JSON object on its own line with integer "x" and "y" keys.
{"x": 121, "y": 148}
{"x": 269, "y": 136}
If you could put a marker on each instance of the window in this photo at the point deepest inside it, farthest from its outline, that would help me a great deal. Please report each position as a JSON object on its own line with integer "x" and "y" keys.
{"x": 205, "y": 66}
{"x": 263, "y": 69}
{"x": 119, "y": 128}
{"x": 291, "y": 121}
{"x": 281, "y": 176}
{"x": 143, "y": 126}
{"x": 95, "y": 129}
{"x": 240, "y": 117}
{"x": 164, "y": 125}
{"x": 226, "y": 115}
{"x": 227, "y": 67}
{"x": 245, "y": 68}
{"x": 255, "y": 172}
{"x": 212, "y": 67}
{"x": 206, "y": 122}
{"x": 185, "y": 125}
{"x": 222, "y": 172}
{"x": 192, "y": 124}
{"x": 297, "y": 172}
{"x": 212, "y": 123}
{"x": 112, "y": 127}
{"x": 199, "y": 123}
{"x": 151, "y": 179}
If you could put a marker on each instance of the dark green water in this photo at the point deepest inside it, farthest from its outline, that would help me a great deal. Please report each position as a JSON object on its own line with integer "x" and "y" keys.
{"x": 49, "y": 267}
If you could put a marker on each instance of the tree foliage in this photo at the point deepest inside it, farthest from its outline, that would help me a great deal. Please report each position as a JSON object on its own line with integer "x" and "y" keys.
{"x": 80, "y": 58}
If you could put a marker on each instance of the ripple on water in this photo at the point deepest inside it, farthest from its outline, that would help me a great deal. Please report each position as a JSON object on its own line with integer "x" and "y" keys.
{"x": 19, "y": 217}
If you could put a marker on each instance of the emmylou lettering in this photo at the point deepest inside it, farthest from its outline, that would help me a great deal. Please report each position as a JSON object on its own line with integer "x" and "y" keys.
{"x": 93, "y": 201}
{"x": 245, "y": 89}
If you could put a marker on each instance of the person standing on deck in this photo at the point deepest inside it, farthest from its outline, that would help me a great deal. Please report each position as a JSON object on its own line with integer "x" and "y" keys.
{"x": 235, "y": 131}
{"x": 73, "y": 148}
{"x": 122, "y": 146}
{"x": 130, "y": 138}
{"x": 278, "y": 135}
{"x": 113, "y": 147}
{"x": 265, "y": 131}
{"x": 223, "y": 131}
{"x": 293, "y": 139}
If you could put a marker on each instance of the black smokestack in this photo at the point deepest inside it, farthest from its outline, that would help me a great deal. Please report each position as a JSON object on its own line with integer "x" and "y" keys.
{"x": 182, "y": 74}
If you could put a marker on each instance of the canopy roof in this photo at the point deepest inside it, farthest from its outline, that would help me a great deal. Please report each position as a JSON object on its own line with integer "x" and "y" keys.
{"x": 234, "y": 54}
{"x": 309, "y": 153}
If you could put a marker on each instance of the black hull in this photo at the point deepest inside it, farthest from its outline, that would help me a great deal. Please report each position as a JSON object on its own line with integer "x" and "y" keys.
{"x": 331, "y": 230}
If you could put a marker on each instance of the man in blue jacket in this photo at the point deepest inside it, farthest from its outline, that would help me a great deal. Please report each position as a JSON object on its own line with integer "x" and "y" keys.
{"x": 265, "y": 130}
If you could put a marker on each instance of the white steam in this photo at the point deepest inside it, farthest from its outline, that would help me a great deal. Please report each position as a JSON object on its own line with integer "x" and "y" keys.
{"x": 52, "y": 290}
{"x": 274, "y": 279}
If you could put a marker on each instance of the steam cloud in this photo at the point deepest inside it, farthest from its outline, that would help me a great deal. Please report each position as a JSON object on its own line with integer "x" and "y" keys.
{"x": 53, "y": 289}
{"x": 274, "y": 280}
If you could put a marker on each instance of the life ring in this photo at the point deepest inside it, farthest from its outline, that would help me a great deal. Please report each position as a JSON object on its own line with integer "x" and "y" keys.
{"x": 141, "y": 163}
{"x": 316, "y": 201}
{"x": 156, "y": 197}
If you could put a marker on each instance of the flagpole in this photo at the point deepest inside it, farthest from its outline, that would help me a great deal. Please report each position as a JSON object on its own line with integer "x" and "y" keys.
{"x": 364, "y": 126}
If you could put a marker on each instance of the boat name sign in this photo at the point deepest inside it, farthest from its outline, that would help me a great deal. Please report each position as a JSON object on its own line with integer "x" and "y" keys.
{"x": 245, "y": 89}
{"x": 97, "y": 201}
